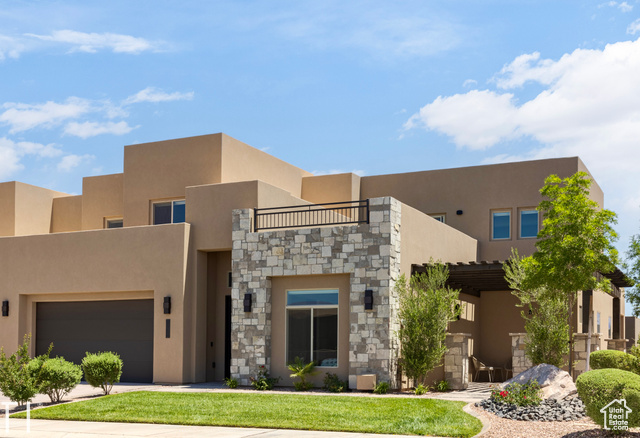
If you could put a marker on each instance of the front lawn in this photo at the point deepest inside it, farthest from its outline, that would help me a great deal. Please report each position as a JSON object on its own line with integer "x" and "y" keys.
{"x": 392, "y": 415}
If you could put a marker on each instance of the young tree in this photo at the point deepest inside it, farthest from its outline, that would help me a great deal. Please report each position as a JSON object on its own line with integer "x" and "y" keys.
{"x": 544, "y": 315}
{"x": 426, "y": 308}
{"x": 17, "y": 380}
{"x": 575, "y": 243}
{"x": 633, "y": 267}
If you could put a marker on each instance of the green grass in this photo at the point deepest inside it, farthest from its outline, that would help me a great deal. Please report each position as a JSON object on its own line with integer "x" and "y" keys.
{"x": 392, "y": 415}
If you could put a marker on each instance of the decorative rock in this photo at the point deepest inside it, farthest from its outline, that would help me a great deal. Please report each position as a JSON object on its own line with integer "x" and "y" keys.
{"x": 554, "y": 383}
{"x": 568, "y": 409}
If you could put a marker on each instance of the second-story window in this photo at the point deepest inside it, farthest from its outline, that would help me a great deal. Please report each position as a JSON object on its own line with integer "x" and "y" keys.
{"x": 439, "y": 217}
{"x": 168, "y": 212}
{"x": 113, "y": 223}
{"x": 528, "y": 223}
{"x": 500, "y": 225}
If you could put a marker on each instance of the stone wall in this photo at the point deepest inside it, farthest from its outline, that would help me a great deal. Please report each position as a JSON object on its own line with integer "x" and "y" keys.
{"x": 580, "y": 351}
{"x": 370, "y": 253}
{"x": 617, "y": 344}
{"x": 456, "y": 360}
{"x": 520, "y": 362}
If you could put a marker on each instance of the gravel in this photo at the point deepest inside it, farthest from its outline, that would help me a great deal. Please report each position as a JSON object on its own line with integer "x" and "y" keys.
{"x": 568, "y": 409}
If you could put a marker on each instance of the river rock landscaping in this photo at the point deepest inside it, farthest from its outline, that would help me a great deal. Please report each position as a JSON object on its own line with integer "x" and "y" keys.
{"x": 568, "y": 409}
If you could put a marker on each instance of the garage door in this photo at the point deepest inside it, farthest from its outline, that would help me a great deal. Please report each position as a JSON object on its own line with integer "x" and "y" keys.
{"x": 124, "y": 327}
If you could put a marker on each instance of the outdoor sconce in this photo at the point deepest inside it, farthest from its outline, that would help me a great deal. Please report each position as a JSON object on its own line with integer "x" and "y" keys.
{"x": 5, "y": 308}
{"x": 459, "y": 212}
{"x": 247, "y": 302}
{"x": 368, "y": 299}
{"x": 167, "y": 305}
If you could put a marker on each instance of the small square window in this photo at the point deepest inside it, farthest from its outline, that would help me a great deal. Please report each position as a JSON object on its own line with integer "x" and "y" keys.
{"x": 528, "y": 223}
{"x": 439, "y": 217}
{"x": 169, "y": 212}
{"x": 501, "y": 225}
{"x": 114, "y": 223}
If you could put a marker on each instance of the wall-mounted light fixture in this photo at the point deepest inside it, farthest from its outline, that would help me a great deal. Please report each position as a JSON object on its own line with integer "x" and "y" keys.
{"x": 247, "y": 302}
{"x": 368, "y": 299}
{"x": 459, "y": 212}
{"x": 167, "y": 305}
{"x": 5, "y": 308}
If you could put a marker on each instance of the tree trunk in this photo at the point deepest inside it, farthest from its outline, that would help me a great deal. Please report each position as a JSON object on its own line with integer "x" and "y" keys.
{"x": 569, "y": 315}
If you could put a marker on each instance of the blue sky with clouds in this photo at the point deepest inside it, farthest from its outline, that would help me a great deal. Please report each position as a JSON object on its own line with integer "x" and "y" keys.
{"x": 366, "y": 86}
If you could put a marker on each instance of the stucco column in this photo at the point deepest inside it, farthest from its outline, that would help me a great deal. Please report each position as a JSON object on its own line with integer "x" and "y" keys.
{"x": 520, "y": 361}
{"x": 456, "y": 360}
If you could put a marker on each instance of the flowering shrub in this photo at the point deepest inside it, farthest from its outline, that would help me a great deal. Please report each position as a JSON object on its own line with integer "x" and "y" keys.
{"x": 262, "y": 382}
{"x": 517, "y": 394}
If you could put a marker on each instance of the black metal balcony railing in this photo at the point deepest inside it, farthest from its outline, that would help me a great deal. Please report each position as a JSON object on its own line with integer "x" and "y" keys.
{"x": 300, "y": 216}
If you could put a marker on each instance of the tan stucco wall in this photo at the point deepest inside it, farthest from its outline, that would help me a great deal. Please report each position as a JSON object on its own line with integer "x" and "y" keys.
{"x": 331, "y": 188}
{"x": 33, "y": 209}
{"x": 280, "y": 285}
{"x": 476, "y": 191}
{"x": 602, "y": 303}
{"x": 499, "y": 316}
{"x": 241, "y": 162}
{"x": 67, "y": 214}
{"x": 103, "y": 263}
{"x": 7, "y": 208}
{"x": 424, "y": 238}
{"x": 163, "y": 170}
{"x": 102, "y": 197}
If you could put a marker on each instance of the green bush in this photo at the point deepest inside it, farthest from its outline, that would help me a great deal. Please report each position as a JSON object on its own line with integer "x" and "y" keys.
{"x": 527, "y": 394}
{"x": 17, "y": 380}
{"x": 420, "y": 389}
{"x": 302, "y": 370}
{"x": 598, "y": 388}
{"x": 441, "y": 386}
{"x": 332, "y": 383}
{"x": 614, "y": 359}
{"x": 381, "y": 388}
{"x": 102, "y": 370}
{"x": 231, "y": 382}
{"x": 262, "y": 382}
{"x": 56, "y": 377}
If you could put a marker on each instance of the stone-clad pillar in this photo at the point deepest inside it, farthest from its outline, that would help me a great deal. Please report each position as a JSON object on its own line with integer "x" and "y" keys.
{"x": 520, "y": 361}
{"x": 456, "y": 360}
{"x": 617, "y": 344}
{"x": 580, "y": 351}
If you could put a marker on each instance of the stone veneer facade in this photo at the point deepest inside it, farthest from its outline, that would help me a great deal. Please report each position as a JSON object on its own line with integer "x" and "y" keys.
{"x": 456, "y": 360}
{"x": 370, "y": 253}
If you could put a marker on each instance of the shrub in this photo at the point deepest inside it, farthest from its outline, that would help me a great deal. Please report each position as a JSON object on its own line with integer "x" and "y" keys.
{"x": 598, "y": 388}
{"x": 262, "y": 382}
{"x": 18, "y": 381}
{"x": 332, "y": 383}
{"x": 441, "y": 386}
{"x": 381, "y": 388}
{"x": 231, "y": 382}
{"x": 527, "y": 394}
{"x": 57, "y": 377}
{"x": 420, "y": 389}
{"x": 301, "y": 370}
{"x": 102, "y": 370}
{"x": 614, "y": 359}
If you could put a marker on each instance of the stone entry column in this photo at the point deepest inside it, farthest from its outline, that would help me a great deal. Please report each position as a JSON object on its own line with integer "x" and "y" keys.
{"x": 456, "y": 360}
{"x": 580, "y": 351}
{"x": 519, "y": 361}
{"x": 617, "y": 344}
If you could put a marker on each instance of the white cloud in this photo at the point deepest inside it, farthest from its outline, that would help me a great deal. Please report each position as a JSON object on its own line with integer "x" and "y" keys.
{"x": 151, "y": 94}
{"x": 588, "y": 106}
{"x": 11, "y": 154}
{"x": 623, "y": 6}
{"x": 91, "y": 129}
{"x": 10, "y": 47}
{"x": 93, "y": 42}
{"x": 22, "y": 116}
{"x": 634, "y": 27}
{"x": 469, "y": 83}
{"x": 69, "y": 162}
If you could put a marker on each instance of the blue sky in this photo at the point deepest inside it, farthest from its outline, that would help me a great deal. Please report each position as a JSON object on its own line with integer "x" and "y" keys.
{"x": 332, "y": 86}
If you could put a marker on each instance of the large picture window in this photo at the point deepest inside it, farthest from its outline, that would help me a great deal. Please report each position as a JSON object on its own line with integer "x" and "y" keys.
{"x": 169, "y": 212}
{"x": 312, "y": 326}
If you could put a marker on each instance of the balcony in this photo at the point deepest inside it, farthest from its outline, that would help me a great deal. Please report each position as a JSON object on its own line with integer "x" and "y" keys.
{"x": 313, "y": 215}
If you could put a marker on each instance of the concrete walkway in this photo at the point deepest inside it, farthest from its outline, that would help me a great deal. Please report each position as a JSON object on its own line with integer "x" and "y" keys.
{"x": 73, "y": 429}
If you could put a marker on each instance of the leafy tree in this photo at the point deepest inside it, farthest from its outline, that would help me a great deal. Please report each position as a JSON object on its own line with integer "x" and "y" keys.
{"x": 426, "y": 308}
{"x": 633, "y": 267}
{"x": 575, "y": 243}
{"x": 546, "y": 325}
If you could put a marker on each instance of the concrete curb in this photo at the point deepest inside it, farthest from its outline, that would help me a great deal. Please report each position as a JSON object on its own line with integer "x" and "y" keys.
{"x": 486, "y": 424}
